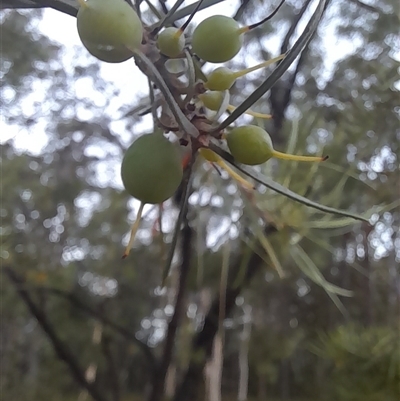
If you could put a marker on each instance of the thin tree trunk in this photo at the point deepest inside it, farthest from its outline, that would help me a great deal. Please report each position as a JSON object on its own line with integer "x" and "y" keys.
{"x": 213, "y": 370}
{"x": 60, "y": 347}
{"x": 215, "y": 365}
{"x": 170, "y": 380}
{"x": 244, "y": 355}
{"x": 158, "y": 388}
{"x": 191, "y": 383}
{"x": 369, "y": 287}
{"x": 284, "y": 379}
{"x": 262, "y": 385}
{"x": 91, "y": 370}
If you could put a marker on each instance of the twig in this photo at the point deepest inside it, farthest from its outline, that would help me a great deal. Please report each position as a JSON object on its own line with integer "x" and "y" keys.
{"x": 111, "y": 367}
{"x": 295, "y": 21}
{"x": 279, "y": 101}
{"x": 103, "y": 319}
{"x": 60, "y": 347}
{"x": 365, "y": 6}
{"x": 159, "y": 378}
{"x": 65, "y": 7}
{"x": 241, "y": 9}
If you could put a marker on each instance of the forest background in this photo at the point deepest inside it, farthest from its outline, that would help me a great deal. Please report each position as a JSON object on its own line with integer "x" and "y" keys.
{"x": 77, "y": 322}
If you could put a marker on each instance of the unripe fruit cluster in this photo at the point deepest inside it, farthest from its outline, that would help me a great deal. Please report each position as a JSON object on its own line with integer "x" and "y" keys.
{"x": 152, "y": 167}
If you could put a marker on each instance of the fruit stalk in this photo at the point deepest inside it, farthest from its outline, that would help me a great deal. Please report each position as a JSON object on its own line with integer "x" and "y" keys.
{"x": 233, "y": 174}
{"x": 213, "y": 158}
{"x": 251, "y": 113}
{"x": 287, "y": 156}
{"x": 134, "y": 230}
{"x": 245, "y": 71}
{"x": 223, "y": 78}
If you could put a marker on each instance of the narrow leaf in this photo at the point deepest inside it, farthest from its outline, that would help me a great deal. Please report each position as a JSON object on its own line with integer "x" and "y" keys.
{"x": 303, "y": 265}
{"x": 347, "y": 172}
{"x": 270, "y": 252}
{"x": 310, "y": 269}
{"x": 267, "y": 182}
{"x": 154, "y": 10}
{"x": 325, "y": 245}
{"x": 325, "y": 224}
{"x": 186, "y": 184}
{"x": 167, "y": 18}
{"x": 189, "y": 9}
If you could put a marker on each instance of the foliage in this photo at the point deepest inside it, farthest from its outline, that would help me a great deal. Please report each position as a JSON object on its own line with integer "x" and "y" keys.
{"x": 366, "y": 362}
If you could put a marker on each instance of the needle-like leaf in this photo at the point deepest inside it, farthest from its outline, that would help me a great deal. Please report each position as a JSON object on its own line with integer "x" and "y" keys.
{"x": 167, "y": 18}
{"x": 189, "y": 9}
{"x": 186, "y": 185}
{"x": 267, "y": 182}
{"x": 309, "y": 268}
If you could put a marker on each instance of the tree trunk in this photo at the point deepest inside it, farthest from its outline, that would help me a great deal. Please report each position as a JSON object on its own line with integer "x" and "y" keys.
{"x": 244, "y": 355}
{"x": 213, "y": 371}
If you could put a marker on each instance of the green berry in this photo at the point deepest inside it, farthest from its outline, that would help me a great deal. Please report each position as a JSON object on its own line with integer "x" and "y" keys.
{"x": 109, "y": 29}
{"x": 217, "y": 39}
{"x": 151, "y": 169}
{"x": 250, "y": 145}
{"x": 212, "y": 99}
{"x": 222, "y": 78}
{"x": 171, "y": 42}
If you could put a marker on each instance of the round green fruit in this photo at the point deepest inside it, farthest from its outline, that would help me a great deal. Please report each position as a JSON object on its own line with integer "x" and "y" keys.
{"x": 222, "y": 78}
{"x": 109, "y": 29}
{"x": 151, "y": 169}
{"x": 250, "y": 145}
{"x": 171, "y": 42}
{"x": 212, "y": 99}
{"x": 217, "y": 39}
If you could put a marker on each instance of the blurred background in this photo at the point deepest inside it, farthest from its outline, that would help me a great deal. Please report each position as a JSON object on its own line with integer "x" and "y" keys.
{"x": 312, "y": 300}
